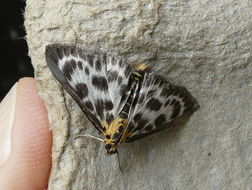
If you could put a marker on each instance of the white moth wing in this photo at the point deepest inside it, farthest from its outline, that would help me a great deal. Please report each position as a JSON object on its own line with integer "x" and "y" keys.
{"x": 158, "y": 104}
{"x": 118, "y": 74}
{"x": 97, "y": 81}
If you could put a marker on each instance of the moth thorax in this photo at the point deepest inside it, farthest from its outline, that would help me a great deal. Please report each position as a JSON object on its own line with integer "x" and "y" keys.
{"x": 115, "y": 129}
{"x": 114, "y": 133}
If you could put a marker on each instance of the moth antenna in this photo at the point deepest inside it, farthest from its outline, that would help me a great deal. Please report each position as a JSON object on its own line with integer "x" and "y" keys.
{"x": 91, "y": 136}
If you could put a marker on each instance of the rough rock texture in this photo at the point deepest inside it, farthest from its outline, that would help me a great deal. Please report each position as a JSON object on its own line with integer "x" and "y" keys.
{"x": 203, "y": 45}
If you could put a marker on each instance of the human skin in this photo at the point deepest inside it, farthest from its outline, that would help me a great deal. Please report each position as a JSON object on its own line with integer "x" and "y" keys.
{"x": 27, "y": 162}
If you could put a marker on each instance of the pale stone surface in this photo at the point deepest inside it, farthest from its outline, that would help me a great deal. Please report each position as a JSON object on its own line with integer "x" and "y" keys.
{"x": 201, "y": 44}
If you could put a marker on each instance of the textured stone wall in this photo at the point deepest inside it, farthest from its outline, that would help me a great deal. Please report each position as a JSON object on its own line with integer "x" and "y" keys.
{"x": 201, "y": 44}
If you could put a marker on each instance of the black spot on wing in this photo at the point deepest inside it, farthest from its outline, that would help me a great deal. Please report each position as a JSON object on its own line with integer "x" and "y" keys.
{"x": 66, "y": 51}
{"x": 176, "y": 110}
{"x": 148, "y": 128}
{"x": 87, "y": 71}
{"x": 123, "y": 89}
{"x": 160, "y": 120}
{"x": 109, "y": 118}
{"x": 177, "y": 91}
{"x": 68, "y": 68}
{"x": 183, "y": 93}
{"x": 73, "y": 51}
{"x": 169, "y": 91}
{"x": 59, "y": 53}
{"x": 164, "y": 92}
{"x": 150, "y": 93}
{"x": 89, "y": 105}
{"x": 97, "y": 65}
{"x": 131, "y": 81}
{"x": 123, "y": 93}
{"x": 90, "y": 60}
{"x": 167, "y": 102}
{"x": 100, "y": 83}
{"x": 137, "y": 117}
{"x": 141, "y": 99}
{"x": 81, "y": 90}
{"x": 99, "y": 107}
{"x": 108, "y": 105}
{"x": 82, "y": 54}
{"x": 112, "y": 76}
{"x": 190, "y": 103}
{"x": 148, "y": 81}
{"x": 153, "y": 104}
{"x": 140, "y": 124}
{"x": 73, "y": 63}
{"x": 104, "y": 58}
{"x": 127, "y": 71}
{"x": 79, "y": 63}
{"x": 131, "y": 127}
{"x": 113, "y": 60}
{"x": 156, "y": 80}
{"x": 119, "y": 80}
{"x": 120, "y": 63}
{"x": 161, "y": 83}
{"x": 173, "y": 102}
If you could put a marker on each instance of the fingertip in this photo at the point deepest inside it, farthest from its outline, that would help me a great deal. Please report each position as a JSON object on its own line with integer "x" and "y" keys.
{"x": 28, "y": 166}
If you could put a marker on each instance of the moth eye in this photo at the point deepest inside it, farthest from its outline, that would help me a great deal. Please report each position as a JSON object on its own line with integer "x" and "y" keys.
{"x": 120, "y": 129}
{"x": 108, "y": 136}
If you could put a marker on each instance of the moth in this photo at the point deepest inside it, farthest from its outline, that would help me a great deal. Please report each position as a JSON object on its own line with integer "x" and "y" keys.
{"x": 123, "y": 102}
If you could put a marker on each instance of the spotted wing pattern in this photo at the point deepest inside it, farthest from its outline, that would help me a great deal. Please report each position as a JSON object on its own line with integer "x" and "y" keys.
{"x": 158, "y": 104}
{"x": 96, "y": 81}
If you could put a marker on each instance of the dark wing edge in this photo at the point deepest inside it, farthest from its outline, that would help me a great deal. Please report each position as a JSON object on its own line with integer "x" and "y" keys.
{"x": 51, "y": 59}
{"x": 142, "y": 135}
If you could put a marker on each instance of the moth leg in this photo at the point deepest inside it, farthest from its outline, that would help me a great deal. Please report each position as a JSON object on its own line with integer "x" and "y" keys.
{"x": 118, "y": 161}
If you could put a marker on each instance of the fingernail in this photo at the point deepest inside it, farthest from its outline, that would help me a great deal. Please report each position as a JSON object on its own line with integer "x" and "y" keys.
{"x": 7, "y": 112}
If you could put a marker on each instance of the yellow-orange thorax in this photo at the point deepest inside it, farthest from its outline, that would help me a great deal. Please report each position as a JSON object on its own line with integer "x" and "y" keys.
{"x": 114, "y": 134}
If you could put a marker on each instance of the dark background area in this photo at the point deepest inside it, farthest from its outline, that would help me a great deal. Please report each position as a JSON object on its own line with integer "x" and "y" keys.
{"x": 15, "y": 62}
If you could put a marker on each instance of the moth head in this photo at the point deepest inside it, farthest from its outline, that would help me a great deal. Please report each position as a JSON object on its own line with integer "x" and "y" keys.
{"x": 111, "y": 148}
{"x": 111, "y": 142}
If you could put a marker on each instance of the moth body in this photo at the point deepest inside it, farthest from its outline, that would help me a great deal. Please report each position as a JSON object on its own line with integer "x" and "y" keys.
{"x": 117, "y": 132}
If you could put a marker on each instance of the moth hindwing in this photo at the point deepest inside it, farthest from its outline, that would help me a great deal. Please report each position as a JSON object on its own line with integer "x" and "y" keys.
{"x": 123, "y": 103}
